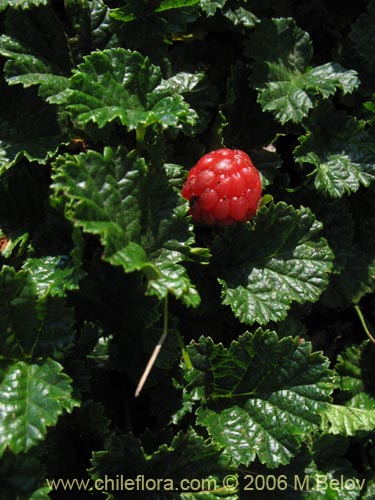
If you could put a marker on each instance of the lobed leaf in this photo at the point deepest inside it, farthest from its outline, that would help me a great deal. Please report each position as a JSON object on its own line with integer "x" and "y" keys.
{"x": 263, "y": 269}
{"x": 22, "y": 4}
{"x": 357, "y": 415}
{"x": 348, "y": 370}
{"x": 363, "y": 38}
{"x": 342, "y": 150}
{"x": 53, "y": 275}
{"x": 211, "y": 6}
{"x": 187, "y": 456}
{"x": 349, "y": 226}
{"x": 175, "y": 4}
{"x": 121, "y": 84}
{"x": 262, "y": 396}
{"x": 134, "y": 213}
{"x": 287, "y": 85}
{"x": 38, "y": 50}
{"x": 369, "y": 490}
{"x": 21, "y": 477}
{"x": 30, "y": 327}
{"x": 317, "y": 472}
{"x": 32, "y": 397}
{"x": 241, "y": 16}
{"x": 33, "y": 131}
{"x": 92, "y": 26}
{"x": 36, "y": 47}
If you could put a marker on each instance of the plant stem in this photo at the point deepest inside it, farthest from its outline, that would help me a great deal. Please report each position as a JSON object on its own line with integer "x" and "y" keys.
{"x": 363, "y": 322}
{"x": 155, "y": 354}
{"x": 185, "y": 354}
{"x": 140, "y": 137}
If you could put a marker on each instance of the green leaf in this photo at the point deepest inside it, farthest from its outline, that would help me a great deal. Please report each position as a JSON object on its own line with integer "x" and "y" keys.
{"x": 175, "y": 4}
{"x": 37, "y": 50}
{"x": 22, "y": 4}
{"x": 337, "y": 219}
{"x": 104, "y": 192}
{"x": 211, "y": 6}
{"x": 241, "y": 16}
{"x": 32, "y": 398}
{"x": 33, "y": 131}
{"x": 182, "y": 82}
{"x": 120, "y": 84}
{"x": 337, "y": 480}
{"x": 341, "y": 149}
{"x": 172, "y": 277}
{"x": 28, "y": 326}
{"x": 21, "y": 477}
{"x": 92, "y": 26}
{"x": 135, "y": 213}
{"x": 53, "y": 275}
{"x": 263, "y": 269}
{"x": 363, "y": 37}
{"x": 31, "y": 61}
{"x": 349, "y": 226}
{"x": 9, "y": 246}
{"x": 26, "y": 217}
{"x": 176, "y": 463}
{"x": 262, "y": 395}
{"x": 314, "y": 474}
{"x": 286, "y": 84}
{"x": 370, "y": 490}
{"x": 348, "y": 370}
{"x": 357, "y": 415}
{"x": 25, "y": 68}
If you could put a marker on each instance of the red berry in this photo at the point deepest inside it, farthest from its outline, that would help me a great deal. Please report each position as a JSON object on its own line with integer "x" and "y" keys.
{"x": 223, "y": 187}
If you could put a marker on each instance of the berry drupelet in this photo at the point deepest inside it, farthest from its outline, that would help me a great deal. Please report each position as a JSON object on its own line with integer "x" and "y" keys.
{"x": 224, "y": 187}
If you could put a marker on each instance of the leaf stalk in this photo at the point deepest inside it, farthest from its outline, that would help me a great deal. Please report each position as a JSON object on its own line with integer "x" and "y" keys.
{"x": 156, "y": 351}
{"x": 363, "y": 322}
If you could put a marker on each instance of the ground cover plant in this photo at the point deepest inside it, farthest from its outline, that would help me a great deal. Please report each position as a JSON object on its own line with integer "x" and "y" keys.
{"x": 265, "y": 384}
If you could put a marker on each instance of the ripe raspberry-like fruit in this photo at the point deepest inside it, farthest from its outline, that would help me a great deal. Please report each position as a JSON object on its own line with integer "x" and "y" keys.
{"x": 223, "y": 187}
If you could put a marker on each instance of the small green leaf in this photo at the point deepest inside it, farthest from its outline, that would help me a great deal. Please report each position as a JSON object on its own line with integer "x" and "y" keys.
{"x": 349, "y": 226}
{"x": 37, "y": 50}
{"x": 21, "y": 477}
{"x": 211, "y": 6}
{"x": 25, "y": 68}
{"x": 22, "y": 4}
{"x": 32, "y": 397}
{"x": 325, "y": 480}
{"x": 175, "y": 4}
{"x": 341, "y": 149}
{"x": 262, "y": 395}
{"x": 329, "y": 77}
{"x": 241, "y": 16}
{"x": 53, "y": 275}
{"x": 357, "y": 415}
{"x": 369, "y": 490}
{"x": 363, "y": 37}
{"x": 30, "y": 327}
{"x": 172, "y": 278}
{"x": 187, "y": 456}
{"x": 286, "y": 84}
{"x": 348, "y": 370}
{"x": 92, "y": 26}
{"x": 263, "y": 269}
{"x": 33, "y": 131}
